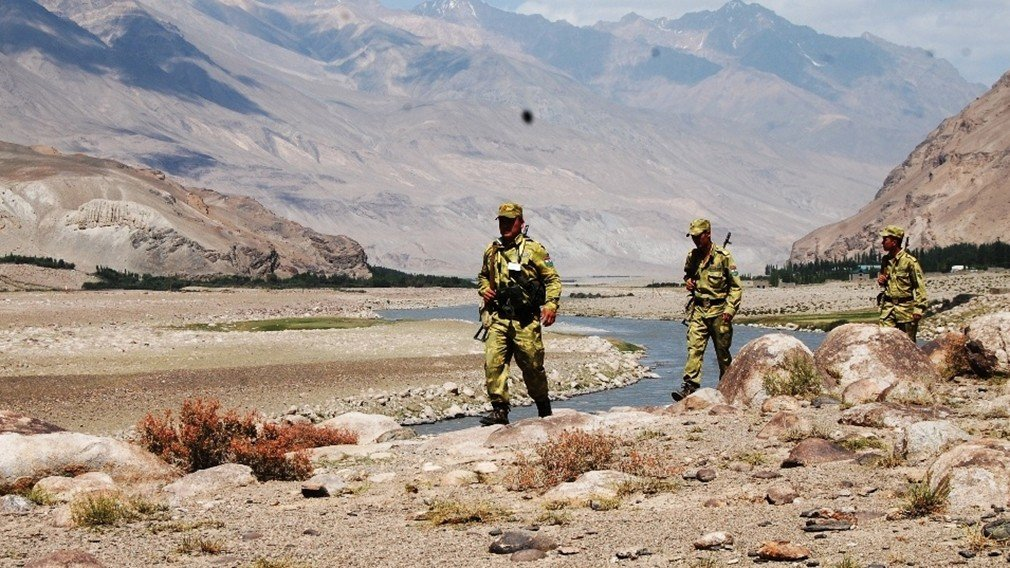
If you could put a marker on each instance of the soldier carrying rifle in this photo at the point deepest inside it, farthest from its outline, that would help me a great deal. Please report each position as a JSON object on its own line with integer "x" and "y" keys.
{"x": 521, "y": 290}
{"x": 903, "y": 298}
{"x": 711, "y": 277}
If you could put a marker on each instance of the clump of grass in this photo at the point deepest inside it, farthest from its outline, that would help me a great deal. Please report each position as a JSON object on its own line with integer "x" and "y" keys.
{"x": 976, "y": 539}
{"x": 846, "y": 562}
{"x": 888, "y": 460}
{"x": 179, "y": 526}
{"x": 922, "y": 499}
{"x": 753, "y": 458}
{"x": 705, "y": 562}
{"x": 554, "y": 518}
{"x": 40, "y": 497}
{"x": 204, "y": 437}
{"x": 643, "y": 465}
{"x": 444, "y": 512}
{"x": 604, "y": 503}
{"x": 101, "y": 509}
{"x": 199, "y": 545}
{"x": 797, "y": 378}
{"x": 647, "y": 486}
{"x": 858, "y": 443}
{"x": 573, "y": 453}
{"x": 626, "y": 347}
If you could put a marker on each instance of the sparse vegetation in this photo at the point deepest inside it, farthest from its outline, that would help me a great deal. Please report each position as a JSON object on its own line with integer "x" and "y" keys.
{"x": 554, "y": 518}
{"x": 976, "y": 539}
{"x": 752, "y": 458}
{"x": 199, "y": 545}
{"x": 276, "y": 563}
{"x": 798, "y": 378}
{"x": 922, "y": 499}
{"x": 573, "y": 453}
{"x": 626, "y": 347}
{"x": 180, "y": 526}
{"x": 823, "y": 321}
{"x": 204, "y": 437}
{"x": 287, "y": 324}
{"x": 594, "y": 295}
{"x": 847, "y": 562}
{"x": 605, "y": 503}
{"x": 857, "y": 443}
{"x": 110, "y": 508}
{"x": 444, "y": 512}
{"x": 43, "y": 261}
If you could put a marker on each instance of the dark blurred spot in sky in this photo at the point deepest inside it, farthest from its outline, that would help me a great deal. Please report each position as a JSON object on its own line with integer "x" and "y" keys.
{"x": 528, "y": 116}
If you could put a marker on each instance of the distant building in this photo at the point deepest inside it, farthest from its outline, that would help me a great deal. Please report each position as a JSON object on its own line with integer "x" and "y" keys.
{"x": 757, "y": 282}
{"x": 958, "y": 268}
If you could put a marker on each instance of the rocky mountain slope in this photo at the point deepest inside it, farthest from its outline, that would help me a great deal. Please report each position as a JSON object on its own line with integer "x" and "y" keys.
{"x": 953, "y": 188}
{"x": 404, "y": 131}
{"x": 99, "y": 212}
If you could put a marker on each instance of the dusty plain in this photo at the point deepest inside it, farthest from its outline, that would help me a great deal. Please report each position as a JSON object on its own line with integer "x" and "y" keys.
{"x": 97, "y": 361}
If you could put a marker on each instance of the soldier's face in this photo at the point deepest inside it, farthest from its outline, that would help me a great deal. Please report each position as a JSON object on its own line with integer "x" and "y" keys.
{"x": 702, "y": 240}
{"x": 890, "y": 244}
{"x": 510, "y": 228}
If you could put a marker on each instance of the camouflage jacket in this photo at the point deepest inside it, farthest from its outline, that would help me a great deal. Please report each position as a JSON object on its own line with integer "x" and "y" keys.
{"x": 534, "y": 260}
{"x": 905, "y": 284}
{"x": 715, "y": 278}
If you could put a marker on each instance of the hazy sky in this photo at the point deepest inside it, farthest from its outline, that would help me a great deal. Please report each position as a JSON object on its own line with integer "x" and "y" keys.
{"x": 971, "y": 34}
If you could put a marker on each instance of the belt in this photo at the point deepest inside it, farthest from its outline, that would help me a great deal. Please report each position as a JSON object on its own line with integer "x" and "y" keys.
{"x": 897, "y": 300}
{"x": 706, "y": 302}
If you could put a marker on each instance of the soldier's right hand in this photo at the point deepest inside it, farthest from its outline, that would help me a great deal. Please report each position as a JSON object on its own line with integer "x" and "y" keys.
{"x": 488, "y": 294}
{"x": 882, "y": 279}
{"x": 689, "y": 284}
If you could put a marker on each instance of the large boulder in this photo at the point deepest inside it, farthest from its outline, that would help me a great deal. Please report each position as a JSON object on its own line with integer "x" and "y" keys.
{"x": 213, "y": 481}
{"x": 949, "y": 354}
{"x": 873, "y": 356}
{"x": 538, "y": 430}
{"x": 979, "y": 473}
{"x": 772, "y": 354}
{"x": 41, "y": 455}
{"x": 368, "y": 427}
{"x": 991, "y": 335}
{"x": 923, "y": 440}
{"x": 891, "y": 415}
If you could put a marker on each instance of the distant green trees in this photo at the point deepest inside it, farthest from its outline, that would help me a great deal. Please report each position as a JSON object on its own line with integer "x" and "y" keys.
{"x": 43, "y": 261}
{"x": 110, "y": 278}
{"x": 937, "y": 259}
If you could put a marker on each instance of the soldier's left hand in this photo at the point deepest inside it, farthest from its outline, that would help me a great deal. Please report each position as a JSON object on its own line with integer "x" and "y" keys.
{"x": 547, "y": 316}
{"x": 916, "y": 317}
{"x": 726, "y": 318}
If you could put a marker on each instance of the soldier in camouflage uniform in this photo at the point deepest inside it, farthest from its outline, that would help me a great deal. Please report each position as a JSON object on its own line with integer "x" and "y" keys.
{"x": 521, "y": 290}
{"x": 710, "y": 276}
{"x": 903, "y": 299}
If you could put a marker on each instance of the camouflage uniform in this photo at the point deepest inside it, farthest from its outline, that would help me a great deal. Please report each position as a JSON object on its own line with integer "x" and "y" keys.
{"x": 904, "y": 294}
{"x": 717, "y": 291}
{"x": 516, "y": 334}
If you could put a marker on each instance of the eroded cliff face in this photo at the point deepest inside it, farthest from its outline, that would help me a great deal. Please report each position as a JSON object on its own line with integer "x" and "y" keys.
{"x": 99, "y": 212}
{"x": 953, "y": 188}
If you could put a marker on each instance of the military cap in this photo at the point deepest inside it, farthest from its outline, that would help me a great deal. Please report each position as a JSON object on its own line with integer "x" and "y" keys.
{"x": 893, "y": 231}
{"x": 510, "y": 210}
{"x": 699, "y": 226}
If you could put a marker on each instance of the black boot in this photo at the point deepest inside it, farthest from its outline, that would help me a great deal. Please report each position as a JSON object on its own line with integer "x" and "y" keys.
{"x": 544, "y": 408}
{"x": 684, "y": 391}
{"x": 499, "y": 414}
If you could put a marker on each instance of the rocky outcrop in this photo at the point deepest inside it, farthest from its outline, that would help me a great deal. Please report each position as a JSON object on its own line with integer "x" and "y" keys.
{"x": 990, "y": 335}
{"x": 951, "y": 189}
{"x": 772, "y": 354}
{"x": 95, "y": 212}
{"x": 860, "y": 361}
{"x": 978, "y": 473}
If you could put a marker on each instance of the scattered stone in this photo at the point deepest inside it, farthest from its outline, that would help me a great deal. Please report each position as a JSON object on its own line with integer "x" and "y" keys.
{"x": 990, "y": 335}
{"x": 705, "y": 475}
{"x": 714, "y": 540}
{"x": 766, "y": 474}
{"x": 368, "y": 427}
{"x": 997, "y": 530}
{"x": 64, "y": 489}
{"x": 781, "y": 493}
{"x": 514, "y": 541}
{"x": 568, "y": 551}
{"x": 214, "y": 480}
{"x": 813, "y": 451}
{"x": 323, "y": 485}
{"x": 18, "y": 423}
{"x": 924, "y": 440}
{"x": 782, "y": 550}
{"x": 15, "y": 504}
{"x": 783, "y": 423}
{"x": 590, "y": 485}
{"x": 460, "y": 477}
{"x": 252, "y": 535}
{"x": 528, "y": 555}
{"x": 311, "y": 532}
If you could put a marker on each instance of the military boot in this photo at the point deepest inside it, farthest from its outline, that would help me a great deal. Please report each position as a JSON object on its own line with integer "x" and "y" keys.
{"x": 685, "y": 391}
{"x": 544, "y": 408}
{"x": 499, "y": 414}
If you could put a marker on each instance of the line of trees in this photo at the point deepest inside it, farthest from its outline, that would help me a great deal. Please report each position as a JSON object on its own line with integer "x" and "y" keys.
{"x": 110, "y": 278}
{"x": 43, "y": 261}
{"x": 937, "y": 259}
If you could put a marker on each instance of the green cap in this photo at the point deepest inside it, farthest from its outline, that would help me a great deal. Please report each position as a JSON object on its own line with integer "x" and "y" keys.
{"x": 893, "y": 231}
{"x": 699, "y": 226}
{"x": 510, "y": 210}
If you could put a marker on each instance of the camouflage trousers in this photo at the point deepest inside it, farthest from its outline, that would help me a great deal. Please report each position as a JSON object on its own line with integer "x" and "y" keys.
{"x": 508, "y": 338}
{"x": 899, "y": 316}
{"x": 700, "y": 327}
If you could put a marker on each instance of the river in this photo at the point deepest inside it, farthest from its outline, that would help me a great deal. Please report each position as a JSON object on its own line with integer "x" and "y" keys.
{"x": 665, "y": 353}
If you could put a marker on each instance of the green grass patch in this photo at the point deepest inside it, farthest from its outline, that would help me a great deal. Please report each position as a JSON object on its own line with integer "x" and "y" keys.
{"x": 286, "y": 324}
{"x": 822, "y": 321}
{"x": 624, "y": 346}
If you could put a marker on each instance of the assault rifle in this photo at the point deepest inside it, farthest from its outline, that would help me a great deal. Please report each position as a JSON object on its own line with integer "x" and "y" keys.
{"x": 484, "y": 311}
{"x": 690, "y": 305}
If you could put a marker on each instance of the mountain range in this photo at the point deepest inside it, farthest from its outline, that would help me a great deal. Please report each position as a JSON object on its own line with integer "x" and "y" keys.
{"x": 953, "y": 188}
{"x": 403, "y": 130}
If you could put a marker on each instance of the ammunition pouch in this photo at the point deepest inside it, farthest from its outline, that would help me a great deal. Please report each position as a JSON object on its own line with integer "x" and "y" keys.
{"x": 521, "y": 298}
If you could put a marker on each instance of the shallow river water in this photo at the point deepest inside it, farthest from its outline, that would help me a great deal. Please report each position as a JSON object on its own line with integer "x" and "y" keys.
{"x": 664, "y": 342}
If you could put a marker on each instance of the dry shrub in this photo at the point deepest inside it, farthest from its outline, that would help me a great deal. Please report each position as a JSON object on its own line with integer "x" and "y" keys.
{"x": 642, "y": 465}
{"x": 204, "y": 437}
{"x": 798, "y": 378}
{"x": 573, "y": 453}
{"x": 922, "y": 499}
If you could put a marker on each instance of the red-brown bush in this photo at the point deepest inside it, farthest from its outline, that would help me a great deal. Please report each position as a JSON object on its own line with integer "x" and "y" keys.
{"x": 203, "y": 437}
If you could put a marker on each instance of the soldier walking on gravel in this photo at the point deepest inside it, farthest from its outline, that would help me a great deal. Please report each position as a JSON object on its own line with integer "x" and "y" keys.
{"x": 521, "y": 290}
{"x": 711, "y": 277}
{"x": 903, "y": 299}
